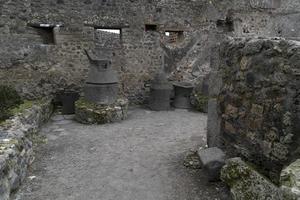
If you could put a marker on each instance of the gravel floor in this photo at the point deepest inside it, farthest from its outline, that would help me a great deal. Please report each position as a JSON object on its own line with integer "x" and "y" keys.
{"x": 140, "y": 158}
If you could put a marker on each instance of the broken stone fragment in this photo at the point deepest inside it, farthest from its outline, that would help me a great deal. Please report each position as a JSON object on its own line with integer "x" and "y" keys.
{"x": 212, "y": 160}
{"x": 246, "y": 183}
{"x": 290, "y": 180}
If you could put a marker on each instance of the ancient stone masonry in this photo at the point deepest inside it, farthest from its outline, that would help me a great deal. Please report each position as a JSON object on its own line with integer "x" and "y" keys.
{"x": 18, "y": 136}
{"x": 258, "y": 103}
{"x": 42, "y": 43}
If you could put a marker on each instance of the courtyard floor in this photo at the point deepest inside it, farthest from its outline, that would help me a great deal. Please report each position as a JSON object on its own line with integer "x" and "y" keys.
{"x": 140, "y": 158}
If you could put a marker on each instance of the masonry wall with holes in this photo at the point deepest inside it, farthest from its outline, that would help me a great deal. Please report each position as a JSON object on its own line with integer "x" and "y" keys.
{"x": 43, "y": 42}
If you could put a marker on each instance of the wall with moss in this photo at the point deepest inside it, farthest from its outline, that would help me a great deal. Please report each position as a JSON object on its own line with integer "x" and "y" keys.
{"x": 257, "y": 103}
{"x": 19, "y": 135}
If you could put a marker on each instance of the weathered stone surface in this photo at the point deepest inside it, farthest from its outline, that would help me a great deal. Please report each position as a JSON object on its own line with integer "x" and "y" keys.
{"x": 39, "y": 67}
{"x": 257, "y": 102}
{"x": 290, "y": 180}
{"x": 199, "y": 97}
{"x": 215, "y": 83}
{"x": 214, "y": 136}
{"x": 17, "y": 136}
{"x": 212, "y": 160}
{"x": 265, "y": 4}
{"x": 246, "y": 183}
{"x": 90, "y": 113}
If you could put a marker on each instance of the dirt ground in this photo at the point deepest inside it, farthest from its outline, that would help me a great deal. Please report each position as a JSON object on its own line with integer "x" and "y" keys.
{"x": 140, "y": 158}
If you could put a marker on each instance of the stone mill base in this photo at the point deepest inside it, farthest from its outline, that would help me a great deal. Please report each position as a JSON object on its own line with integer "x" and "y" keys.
{"x": 90, "y": 113}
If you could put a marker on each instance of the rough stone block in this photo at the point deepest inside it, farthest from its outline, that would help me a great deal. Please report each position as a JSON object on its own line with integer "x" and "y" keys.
{"x": 212, "y": 160}
{"x": 246, "y": 183}
{"x": 290, "y": 180}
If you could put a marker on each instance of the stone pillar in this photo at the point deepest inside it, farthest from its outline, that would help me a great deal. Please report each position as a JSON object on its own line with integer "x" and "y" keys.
{"x": 214, "y": 119}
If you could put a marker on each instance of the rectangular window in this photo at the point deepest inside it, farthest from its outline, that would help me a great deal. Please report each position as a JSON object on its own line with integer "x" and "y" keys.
{"x": 226, "y": 25}
{"x": 150, "y": 27}
{"x": 45, "y": 32}
{"x": 174, "y": 36}
{"x": 108, "y": 37}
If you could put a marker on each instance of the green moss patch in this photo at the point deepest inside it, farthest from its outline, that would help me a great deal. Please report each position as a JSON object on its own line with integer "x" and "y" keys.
{"x": 18, "y": 109}
{"x": 201, "y": 102}
{"x": 90, "y": 113}
{"x": 9, "y": 98}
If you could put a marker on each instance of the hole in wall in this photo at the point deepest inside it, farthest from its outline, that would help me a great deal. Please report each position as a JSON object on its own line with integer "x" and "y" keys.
{"x": 108, "y": 37}
{"x": 45, "y": 32}
{"x": 115, "y": 31}
{"x": 174, "y": 36}
{"x": 150, "y": 27}
{"x": 226, "y": 25}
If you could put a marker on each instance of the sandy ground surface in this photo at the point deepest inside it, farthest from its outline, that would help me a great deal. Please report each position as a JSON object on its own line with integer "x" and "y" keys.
{"x": 140, "y": 158}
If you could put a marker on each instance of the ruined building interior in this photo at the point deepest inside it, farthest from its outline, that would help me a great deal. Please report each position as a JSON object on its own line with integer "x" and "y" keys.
{"x": 149, "y": 99}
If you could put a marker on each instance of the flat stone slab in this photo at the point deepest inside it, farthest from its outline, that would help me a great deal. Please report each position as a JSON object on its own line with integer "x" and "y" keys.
{"x": 90, "y": 113}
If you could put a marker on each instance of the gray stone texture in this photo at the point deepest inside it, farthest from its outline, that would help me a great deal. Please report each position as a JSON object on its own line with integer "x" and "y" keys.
{"x": 259, "y": 102}
{"x": 212, "y": 160}
{"x": 290, "y": 180}
{"x": 17, "y": 138}
{"x": 246, "y": 183}
{"x": 214, "y": 137}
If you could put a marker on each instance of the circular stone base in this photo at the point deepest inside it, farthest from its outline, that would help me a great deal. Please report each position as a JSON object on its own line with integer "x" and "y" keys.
{"x": 91, "y": 113}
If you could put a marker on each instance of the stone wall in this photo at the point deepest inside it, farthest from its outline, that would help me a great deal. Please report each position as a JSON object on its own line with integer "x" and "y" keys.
{"x": 43, "y": 60}
{"x": 254, "y": 109}
{"x": 38, "y": 67}
{"x": 17, "y": 138}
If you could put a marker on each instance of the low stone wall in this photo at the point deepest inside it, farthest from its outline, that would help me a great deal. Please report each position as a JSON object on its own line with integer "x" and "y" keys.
{"x": 254, "y": 109}
{"x": 17, "y": 136}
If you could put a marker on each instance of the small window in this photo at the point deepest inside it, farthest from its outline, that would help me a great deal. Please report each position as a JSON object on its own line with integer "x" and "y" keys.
{"x": 115, "y": 31}
{"x": 150, "y": 27}
{"x": 226, "y": 25}
{"x": 108, "y": 37}
{"x": 174, "y": 36}
{"x": 46, "y": 33}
